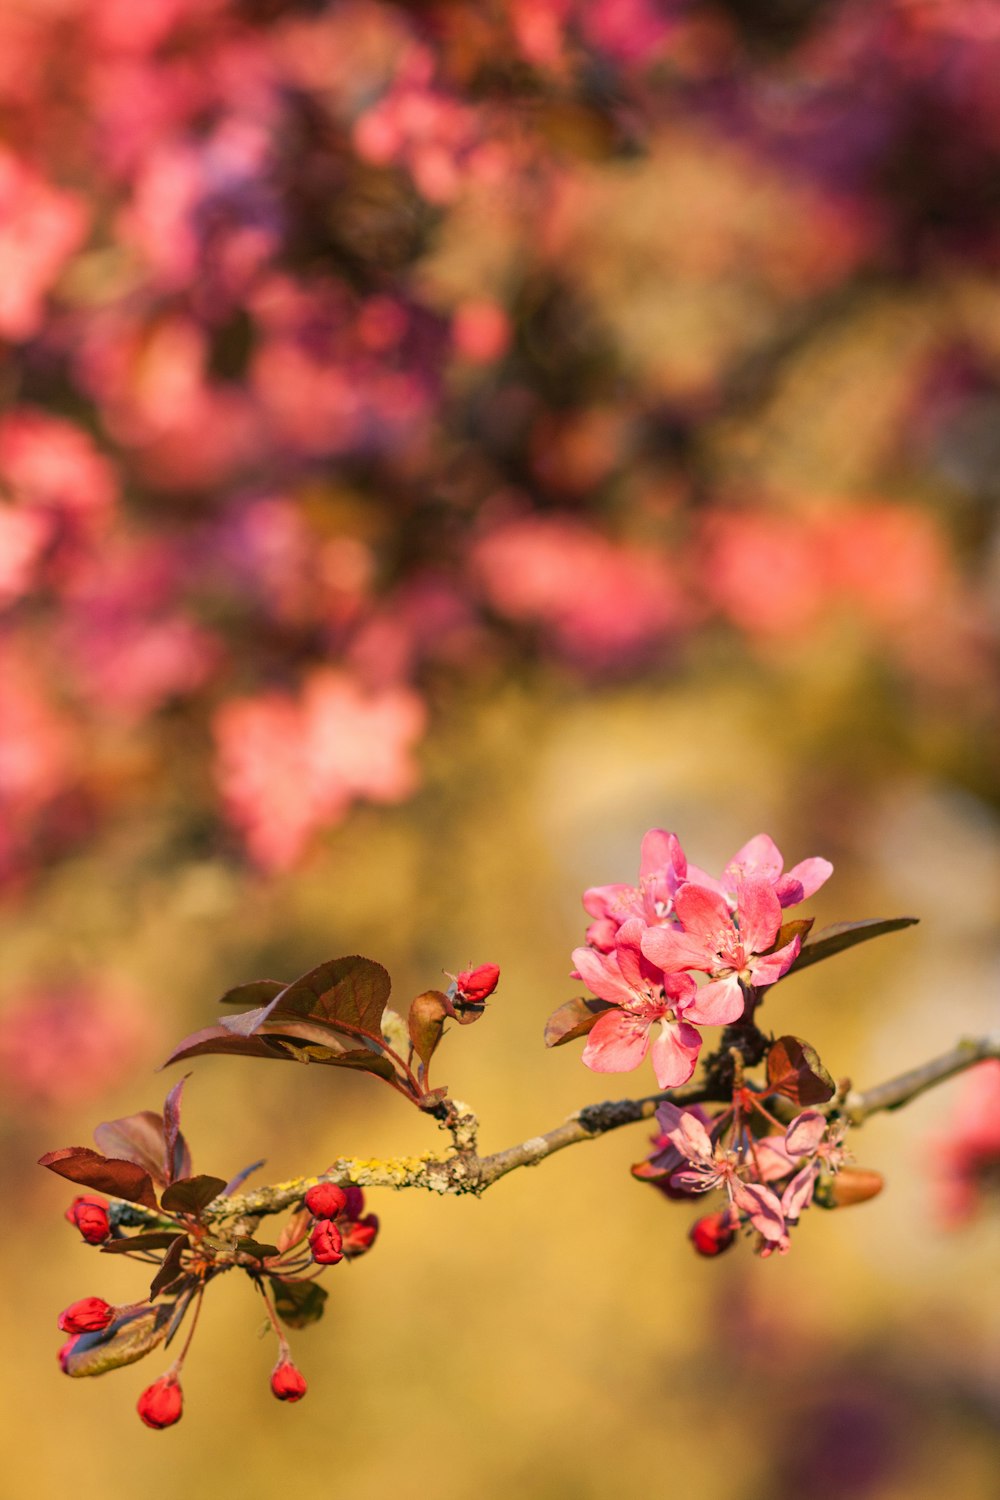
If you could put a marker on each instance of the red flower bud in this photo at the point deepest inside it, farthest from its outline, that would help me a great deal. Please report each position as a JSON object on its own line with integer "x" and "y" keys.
{"x": 359, "y": 1236}
{"x": 326, "y": 1200}
{"x": 63, "y": 1353}
{"x": 287, "y": 1381}
{"x": 161, "y": 1403}
{"x": 90, "y": 1215}
{"x": 713, "y": 1234}
{"x": 325, "y": 1243}
{"x": 474, "y": 985}
{"x": 89, "y": 1315}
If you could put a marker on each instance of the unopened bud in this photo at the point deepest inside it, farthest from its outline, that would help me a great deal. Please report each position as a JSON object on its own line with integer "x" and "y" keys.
{"x": 161, "y": 1403}
{"x": 325, "y": 1243}
{"x": 287, "y": 1381}
{"x": 712, "y": 1234}
{"x": 90, "y": 1215}
{"x": 326, "y": 1200}
{"x": 359, "y": 1236}
{"x": 855, "y": 1185}
{"x": 473, "y": 986}
{"x": 89, "y": 1315}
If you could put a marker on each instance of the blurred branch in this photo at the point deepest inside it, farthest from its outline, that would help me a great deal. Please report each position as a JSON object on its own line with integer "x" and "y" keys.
{"x": 859, "y": 1105}
{"x": 462, "y": 1170}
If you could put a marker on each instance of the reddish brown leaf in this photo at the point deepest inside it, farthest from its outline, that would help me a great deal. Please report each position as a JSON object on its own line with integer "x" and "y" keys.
{"x": 843, "y": 935}
{"x": 253, "y": 1247}
{"x": 799, "y": 927}
{"x": 191, "y": 1194}
{"x": 425, "y": 1022}
{"x": 258, "y": 993}
{"x": 137, "y": 1138}
{"x": 170, "y": 1269}
{"x": 294, "y": 1230}
{"x": 574, "y": 1019}
{"x": 154, "y": 1239}
{"x": 298, "y": 1303}
{"x": 794, "y": 1070}
{"x": 132, "y": 1336}
{"x": 176, "y": 1154}
{"x": 117, "y": 1178}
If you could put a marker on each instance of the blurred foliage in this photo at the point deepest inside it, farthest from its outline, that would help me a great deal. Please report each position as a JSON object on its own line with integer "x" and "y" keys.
{"x": 438, "y": 443}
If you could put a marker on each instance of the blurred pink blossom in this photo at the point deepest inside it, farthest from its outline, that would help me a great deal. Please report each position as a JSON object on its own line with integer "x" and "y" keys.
{"x": 287, "y": 767}
{"x": 40, "y": 227}
{"x": 63, "y": 1044}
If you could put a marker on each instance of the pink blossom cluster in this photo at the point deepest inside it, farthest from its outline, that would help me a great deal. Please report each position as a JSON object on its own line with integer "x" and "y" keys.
{"x": 647, "y": 942}
{"x": 966, "y": 1154}
{"x": 769, "y": 1180}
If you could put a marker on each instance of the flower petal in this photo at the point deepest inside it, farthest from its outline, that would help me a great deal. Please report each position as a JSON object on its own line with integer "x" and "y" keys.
{"x": 601, "y": 974}
{"x": 675, "y": 1055}
{"x": 759, "y": 857}
{"x": 718, "y": 1003}
{"x": 768, "y": 968}
{"x": 805, "y": 1133}
{"x": 673, "y": 951}
{"x": 811, "y": 874}
{"x": 617, "y": 1043}
{"x": 759, "y": 913}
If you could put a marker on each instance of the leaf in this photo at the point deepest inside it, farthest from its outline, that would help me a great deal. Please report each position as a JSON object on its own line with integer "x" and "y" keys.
{"x": 176, "y": 1154}
{"x": 190, "y": 1195}
{"x": 353, "y": 990}
{"x": 241, "y": 1177}
{"x": 425, "y": 1023}
{"x": 794, "y": 1070}
{"x": 294, "y": 1230}
{"x": 362, "y": 1058}
{"x": 298, "y": 1303}
{"x": 117, "y": 1178}
{"x": 155, "y": 1239}
{"x": 253, "y": 1247}
{"x": 843, "y": 935}
{"x": 137, "y": 1138}
{"x": 219, "y": 1039}
{"x": 798, "y": 927}
{"x": 132, "y": 1336}
{"x": 259, "y": 992}
{"x": 170, "y": 1269}
{"x": 574, "y": 1019}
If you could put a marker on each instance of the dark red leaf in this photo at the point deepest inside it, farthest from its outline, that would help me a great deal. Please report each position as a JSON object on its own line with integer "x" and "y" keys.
{"x": 298, "y": 1303}
{"x": 191, "y": 1194}
{"x": 170, "y": 1269}
{"x": 352, "y": 990}
{"x": 256, "y": 1249}
{"x": 574, "y": 1019}
{"x": 425, "y": 1022}
{"x": 176, "y": 1154}
{"x": 843, "y": 935}
{"x": 137, "y": 1138}
{"x": 799, "y": 927}
{"x": 219, "y": 1039}
{"x": 154, "y": 1239}
{"x": 259, "y": 992}
{"x": 132, "y": 1336}
{"x": 794, "y": 1070}
{"x": 119, "y": 1179}
{"x": 241, "y": 1177}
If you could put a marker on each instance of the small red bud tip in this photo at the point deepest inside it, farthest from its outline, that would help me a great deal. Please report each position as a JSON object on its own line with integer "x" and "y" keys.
{"x": 475, "y": 985}
{"x": 326, "y": 1200}
{"x": 287, "y": 1381}
{"x": 325, "y": 1243}
{"x": 63, "y": 1354}
{"x": 161, "y": 1404}
{"x": 90, "y": 1215}
{"x": 713, "y": 1234}
{"x": 89, "y": 1315}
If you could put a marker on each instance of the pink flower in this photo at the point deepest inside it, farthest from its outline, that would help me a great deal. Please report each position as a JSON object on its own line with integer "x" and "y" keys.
{"x": 662, "y": 868}
{"x": 642, "y": 997}
{"x": 711, "y": 1165}
{"x": 810, "y": 1135}
{"x": 966, "y": 1158}
{"x": 761, "y": 858}
{"x": 732, "y": 949}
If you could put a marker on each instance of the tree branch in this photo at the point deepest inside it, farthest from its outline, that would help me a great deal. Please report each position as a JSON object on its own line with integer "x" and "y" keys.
{"x": 858, "y": 1106}
{"x": 462, "y": 1170}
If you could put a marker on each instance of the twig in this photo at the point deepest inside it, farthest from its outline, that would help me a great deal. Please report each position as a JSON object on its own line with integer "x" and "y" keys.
{"x": 859, "y": 1105}
{"x": 462, "y": 1170}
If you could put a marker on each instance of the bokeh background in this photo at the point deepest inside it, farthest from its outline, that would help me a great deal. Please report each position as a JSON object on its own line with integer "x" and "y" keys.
{"x": 439, "y": 442}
